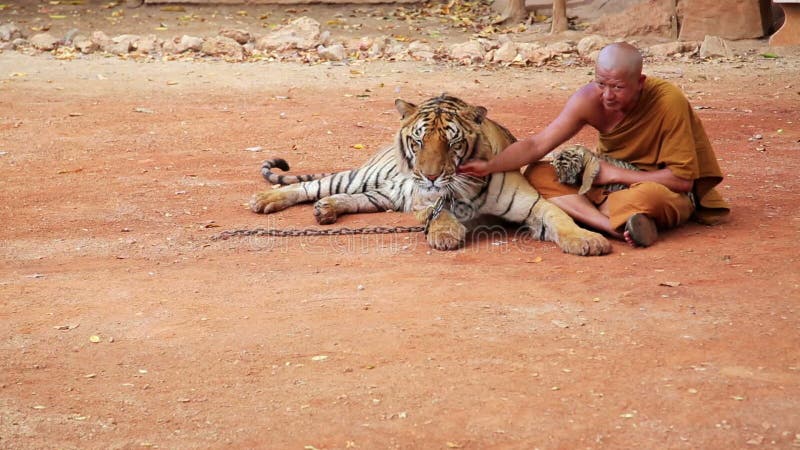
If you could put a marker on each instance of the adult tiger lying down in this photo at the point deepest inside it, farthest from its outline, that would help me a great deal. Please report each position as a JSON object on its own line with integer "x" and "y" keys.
{"x": 420, "y": 168}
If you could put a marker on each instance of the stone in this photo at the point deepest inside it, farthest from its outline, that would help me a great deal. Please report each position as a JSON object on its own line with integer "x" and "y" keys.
{"x": 378, "y": 47}
{"x": 183, "y": 44}
{"x": 101, "y": 39}
{"x": 333, "y": 52}
{"x": 147, "y": 45}
{"x": 648, "y": 18}
{"x": 84, "y": 45}
{"x": 221, "y": 46}
{"x": 421, "y": 51}
{"x": 470, "y": 51}
{"x": 44, "y": 42}
{"x": 561, "y": 47}
{"x": 729, "y": 19}
{"x": 9, "y": 32}
{"x": 591, "y": 43}
{"x": 240, "y": 36}
{"x": 302, "y": 34}
{"x": 715, "y": 47}
{"x": 536, "y": 56}
{"x": 506, "y": 53}
{"x": 122, "y": 44}
{"x": 672, "y": 48}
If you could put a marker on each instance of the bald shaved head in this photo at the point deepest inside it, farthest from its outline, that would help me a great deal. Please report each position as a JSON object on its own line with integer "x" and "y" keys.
{"x": 622, "y": 58}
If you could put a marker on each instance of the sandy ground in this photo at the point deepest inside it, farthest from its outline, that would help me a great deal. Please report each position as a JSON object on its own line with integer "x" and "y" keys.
{"x": 116, "y": 175}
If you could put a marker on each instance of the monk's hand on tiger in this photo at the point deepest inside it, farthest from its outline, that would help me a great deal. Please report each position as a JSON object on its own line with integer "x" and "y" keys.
{"x": 474, "y": 167}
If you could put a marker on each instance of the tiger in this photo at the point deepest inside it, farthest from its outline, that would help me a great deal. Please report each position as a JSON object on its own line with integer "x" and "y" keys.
{"x": 578, "y": 165}
{"x": 418, "y": 173}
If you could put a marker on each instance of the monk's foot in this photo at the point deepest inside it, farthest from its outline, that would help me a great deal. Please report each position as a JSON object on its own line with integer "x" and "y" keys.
{"x": 640, "y": 231}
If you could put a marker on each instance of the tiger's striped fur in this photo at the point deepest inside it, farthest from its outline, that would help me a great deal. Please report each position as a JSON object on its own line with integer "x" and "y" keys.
{"x": 578, "y": 165}
{"x": 421, "y": 167}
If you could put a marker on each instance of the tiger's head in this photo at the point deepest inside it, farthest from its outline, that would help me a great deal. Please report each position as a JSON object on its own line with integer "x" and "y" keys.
{"x": 439, "y": 135}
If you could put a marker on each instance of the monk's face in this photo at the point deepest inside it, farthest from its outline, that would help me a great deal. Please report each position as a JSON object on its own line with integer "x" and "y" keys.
{"x": 618, "y": 90}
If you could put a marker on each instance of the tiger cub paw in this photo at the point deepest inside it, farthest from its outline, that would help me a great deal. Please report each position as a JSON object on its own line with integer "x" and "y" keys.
{"x": 269, "y": 202}
{"x": 584, "y": 243}
{"x": 325, "y": 211}
{"x": 446, "y": 233}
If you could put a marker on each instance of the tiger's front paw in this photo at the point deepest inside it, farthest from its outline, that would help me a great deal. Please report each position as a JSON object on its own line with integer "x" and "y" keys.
{"x": 269, "y": 202}
{"x": 446, "y": 233}
{"x": 584, "y": 243}
{"x": 325, "y": 211}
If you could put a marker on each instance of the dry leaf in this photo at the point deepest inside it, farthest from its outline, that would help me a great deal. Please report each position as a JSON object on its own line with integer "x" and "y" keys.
{"x": 670, "y": 283}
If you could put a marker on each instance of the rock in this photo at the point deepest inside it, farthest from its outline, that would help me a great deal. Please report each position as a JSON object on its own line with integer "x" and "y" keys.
{"x": 302, "y": 33}
{"x": 470, "y": 51}
{"x": 562, "y": 47}
{"x": 363, "y": 44}
{"x": 84, "y": 44}
{"x": 147, "y": 45}
{"x": 647, "y": 18}
{"x": 535, "y": 55}
{"x": 183, "y": 44}
{"x": 506, "y": 53}
{"x": 122, "y": 44}
{"x": 378, "y": 47}
{"x": 221, "y": 46}
{"x": 421, "y": 51}
{"x": 591, "y": 43}
{"x": 44, "y": 42}
{"x": 240, "y": 36}
{"x": 731, "y": 19}
{"x": 672, "y": 48}
{"x": 334, "y": 52}
{"x": 101, "y": 39}
{"x": 9, "y": 32}
{"x": 715, "y": 47}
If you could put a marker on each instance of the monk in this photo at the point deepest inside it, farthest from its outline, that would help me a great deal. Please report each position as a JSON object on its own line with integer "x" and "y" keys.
{"x": 642, "y": 120}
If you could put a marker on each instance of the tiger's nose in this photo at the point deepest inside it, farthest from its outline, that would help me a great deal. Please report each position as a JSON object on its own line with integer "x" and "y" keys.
{"x": 432, "y": 177}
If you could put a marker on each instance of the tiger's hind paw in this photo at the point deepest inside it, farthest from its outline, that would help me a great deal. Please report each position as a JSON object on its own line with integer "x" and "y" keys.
{"x": 325, "y": 211}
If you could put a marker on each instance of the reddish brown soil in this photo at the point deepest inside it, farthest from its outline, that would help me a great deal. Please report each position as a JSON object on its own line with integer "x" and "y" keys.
{"x": 377, "y": 341}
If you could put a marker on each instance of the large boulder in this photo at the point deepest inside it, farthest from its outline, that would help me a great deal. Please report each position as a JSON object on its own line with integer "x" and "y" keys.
{"x": 648, "y": 18}
{"x": 729, "y": 19}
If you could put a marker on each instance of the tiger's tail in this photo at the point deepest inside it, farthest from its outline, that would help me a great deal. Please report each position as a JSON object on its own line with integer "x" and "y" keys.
{"x": 280, "y": 163}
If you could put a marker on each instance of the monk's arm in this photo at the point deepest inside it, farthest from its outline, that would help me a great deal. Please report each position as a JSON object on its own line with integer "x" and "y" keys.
{"x": 610, "y": 174}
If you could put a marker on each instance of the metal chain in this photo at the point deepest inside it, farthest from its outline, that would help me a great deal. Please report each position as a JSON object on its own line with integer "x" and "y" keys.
{"x": 290, "y": 232}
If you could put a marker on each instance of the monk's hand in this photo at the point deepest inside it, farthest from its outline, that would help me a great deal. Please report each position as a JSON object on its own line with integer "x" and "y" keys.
{"x": 474, "y": 167}
{"x": 608, "y": 174}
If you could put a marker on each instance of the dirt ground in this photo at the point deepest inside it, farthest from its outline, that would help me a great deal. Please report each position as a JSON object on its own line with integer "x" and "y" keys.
{"x": 126, "y": 326}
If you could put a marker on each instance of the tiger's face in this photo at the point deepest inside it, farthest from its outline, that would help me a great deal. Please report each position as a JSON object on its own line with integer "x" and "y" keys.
{"x": 435, "y": 138}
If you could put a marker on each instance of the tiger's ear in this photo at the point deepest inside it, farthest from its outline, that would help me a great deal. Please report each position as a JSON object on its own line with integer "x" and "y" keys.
{"x": 480, "y": 114}
{"x": 404, "y": 108}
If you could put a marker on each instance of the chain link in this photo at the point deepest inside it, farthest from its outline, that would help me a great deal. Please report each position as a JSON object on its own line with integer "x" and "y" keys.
{"x": 291, "y": 232}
